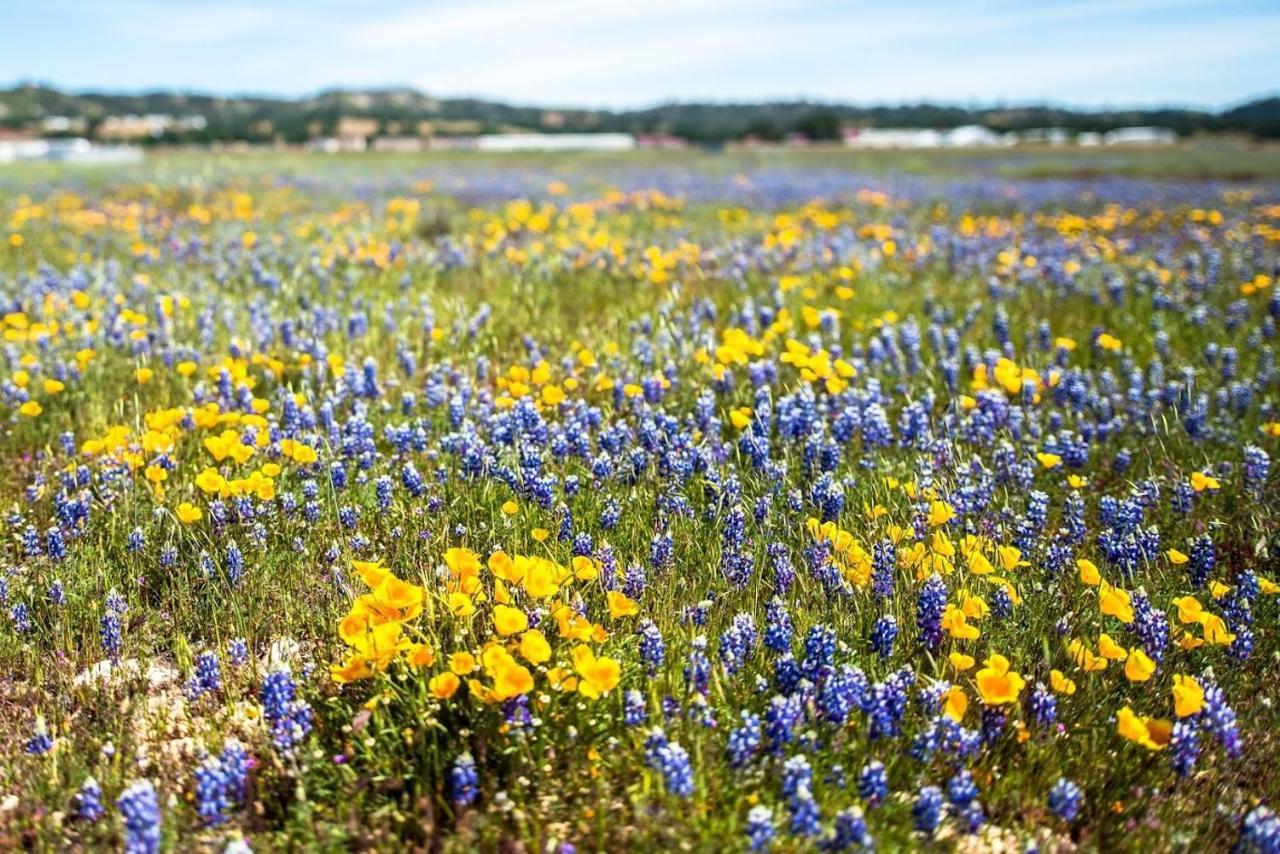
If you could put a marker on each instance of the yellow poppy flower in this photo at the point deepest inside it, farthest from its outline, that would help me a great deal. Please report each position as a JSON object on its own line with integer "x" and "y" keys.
{"x": 1188, "y": 696}
{"x": 508, "y": 620}
{"x": 188, "y": 513}
{"x": 1139, "y": 667}
{"x": 1061, "y": 683}
{"x": 598, "y": 675}
{"x": 955, "y": 703}
{"x": 1088, "y": 572}
{"x": 620, "y": 605}
{"x": 997, "y": 684}
{"x": 1151, "y": 734}
{"x": 534, "y": 647}
{"x": 1201, "y": 481}
{"x": 443, "y": 685}
{"x": 1115, "y": 602}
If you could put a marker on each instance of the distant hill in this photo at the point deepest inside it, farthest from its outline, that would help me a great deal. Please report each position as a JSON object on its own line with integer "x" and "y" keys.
{"x": 407, "y": 111}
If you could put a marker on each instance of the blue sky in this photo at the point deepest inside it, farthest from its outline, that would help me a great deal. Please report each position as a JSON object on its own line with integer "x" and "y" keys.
{"x": 637, "y": 52}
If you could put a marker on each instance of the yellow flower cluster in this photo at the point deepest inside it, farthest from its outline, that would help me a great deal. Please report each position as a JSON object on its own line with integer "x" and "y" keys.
{"x": 375, "y": 627}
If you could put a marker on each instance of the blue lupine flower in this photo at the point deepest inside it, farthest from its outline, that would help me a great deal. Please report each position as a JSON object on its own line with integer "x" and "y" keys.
{"x": 820, "y": 650}
{"x": 140, "y": 809}
{"x": 288, "y": 717}
{"x": 208, "y": 675}
{"x": 1202, "y": 558}
{"x": 1260, "y": 832}
{"x": 1219, "y": 719}
{"x": 20, "y": 615}
{"x": 929, "y": 608}
{"x": 760, "y": 828}
{"x": 849, "y": 830}
{"x": 211, "y": 797}
{"x": 1257, "y": 465}
{"x": 238, "y": 652}
{"x": 40, "y": 742}
{"x": 635, "y": 710}
{"x": 883, "y": 562}
{"x": 806, "y": 820}
{"x": 777, "y": 629}
{"x": 1001, "y": 603}
{"x": 972, "y": 817}
{"x": 927, "y": 809}
{"x": 883, "y": 633}
{"x": 781, "y": 718}
{"x": 1065, "y": 799}
{"x": 1042, "y": 706}
{"x": 842, "y": 692}
{"x": 88, "y": 801}
{"x": 464, "y": 781}
{"x": 652, "y": 647}
{"x": 745, "y": 741}
{"x": 961, "y": 790}
{"x": 1150, "y": 625}
{"x": 112, "y": 642}
{"x": 235, "y": 563}
{"x": 672, "y": 760}
{"x": 1184, "y": 746}
{"x": 797, "y": 773}
{"x": 873, "y": 783}
{"x": 697, "y": 671}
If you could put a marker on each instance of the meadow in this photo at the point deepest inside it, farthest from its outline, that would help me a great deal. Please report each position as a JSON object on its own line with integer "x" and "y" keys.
{"x": 802, "y": 501}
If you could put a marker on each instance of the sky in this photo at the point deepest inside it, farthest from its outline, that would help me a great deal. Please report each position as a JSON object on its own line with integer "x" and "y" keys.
{"x": 606, "y": 53}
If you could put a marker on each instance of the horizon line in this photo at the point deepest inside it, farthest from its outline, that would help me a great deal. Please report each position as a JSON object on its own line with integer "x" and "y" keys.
{"x": 338, "y": 88}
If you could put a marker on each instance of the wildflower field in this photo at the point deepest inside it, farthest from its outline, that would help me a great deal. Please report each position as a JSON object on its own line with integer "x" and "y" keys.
{"x": 465, "y": 505}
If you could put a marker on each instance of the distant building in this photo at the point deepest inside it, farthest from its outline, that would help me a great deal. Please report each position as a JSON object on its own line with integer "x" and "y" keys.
{"x": 80, "y": 150}
{"x": 965, "y": 136}
{"x": 975, "y": 136}
{"x": 1140, "y": 136}
{"x": 452, "y": 143}
{"x": 1046, "y": 136}
{"x": 66, "y": 150}
{"x": 1089, "y": 139}
{"x": 61, "y": 125}
{"x": 338, "y": 144}
{"x": 350, "y": 135}
{"x": 399, "y": 143}
{"x": 152, "y": 125}
{"x": 349, "y": 127}
{"x": 556, "y": 142}
{"x": 663, "y": 141}
{"x": 134, "y": 127}
{"x": 893, "y": 138}
{"x": 15, "y": 145}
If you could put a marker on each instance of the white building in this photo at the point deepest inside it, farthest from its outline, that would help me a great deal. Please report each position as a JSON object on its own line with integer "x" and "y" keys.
{"x": 556, "y": 142}
{"x": 965, "y": 136}
{"x": 975, "y": 136}
{"x": 22, "y": 149}
{"x": 1140, "y": 136}
{"x": 893, "y": 138}
{"x": 71, "y": 150}
{"x": 80, "y": 150}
